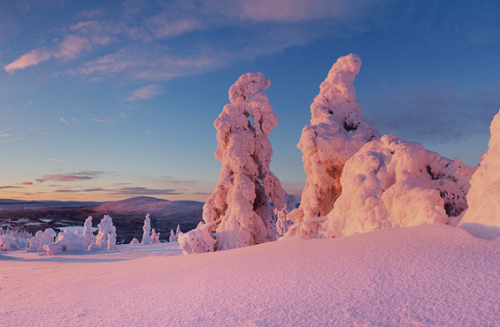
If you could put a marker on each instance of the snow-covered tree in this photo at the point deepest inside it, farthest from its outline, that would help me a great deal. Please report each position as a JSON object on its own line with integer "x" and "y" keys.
{"x": 482, "y": 218}
{"x": 66, "y": 242}
{"x": 106, "y": 237}
{"x": 337, "y": 131}
{"x": 134, "y": 241}
{"x": 155, "y": 237}
{"x": 146, "y": 237}
{"x": 87, "y": 232}
{"x": 393, "y": 183}
{"x": 240, "y": 205}
{"x": 172, "y": 237}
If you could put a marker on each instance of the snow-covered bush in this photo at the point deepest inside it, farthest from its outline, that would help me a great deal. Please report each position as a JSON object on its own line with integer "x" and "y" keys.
{"x": 87, "y": 232}
{"x": 240, "y": 206}
{"x": 67, "y": 242}
{"x": 393, "y": 183}
{"x": 155, "y": 237}
{"x": 283, "y": 223}
{"x": 337, "y": 131}
{"x": 482, "y": 218}
{"x": 146, "y": 237}
{"x": 197, "y": 240}
{"x": 134, "y": 241}
{"x": 13, "y": 239}
{"x": 41, "y": 239}
{"x": 106, "y": 237}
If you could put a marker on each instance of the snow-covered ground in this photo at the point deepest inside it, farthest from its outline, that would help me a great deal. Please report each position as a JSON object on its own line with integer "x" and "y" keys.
{"x": 418, "y": 276}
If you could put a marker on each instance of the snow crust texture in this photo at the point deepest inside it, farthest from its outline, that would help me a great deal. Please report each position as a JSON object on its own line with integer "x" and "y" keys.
{"x": 240, "y": 206}
{"x": 337, "y": 131}
{"x": 482, "y": 219}
{"x": 393, "y": 183}
{"x": 430, "y": 275}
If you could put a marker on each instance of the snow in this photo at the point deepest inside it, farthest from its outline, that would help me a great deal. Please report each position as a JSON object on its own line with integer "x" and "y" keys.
{"x": 393, "y": 183}
{"x": 431, "y": 275}
{"x": 482, "y": 219}
{"x": 337, "y": 131}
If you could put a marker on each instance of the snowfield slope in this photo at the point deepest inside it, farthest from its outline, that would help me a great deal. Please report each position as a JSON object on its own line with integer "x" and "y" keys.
{"x": 431, "y": 275}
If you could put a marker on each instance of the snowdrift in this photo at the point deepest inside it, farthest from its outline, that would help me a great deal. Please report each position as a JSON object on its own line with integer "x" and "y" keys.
{"x": 432, "y": 275}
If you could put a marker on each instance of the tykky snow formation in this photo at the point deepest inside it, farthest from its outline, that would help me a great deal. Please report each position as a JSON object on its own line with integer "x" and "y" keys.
{"x": 357, "y": 180}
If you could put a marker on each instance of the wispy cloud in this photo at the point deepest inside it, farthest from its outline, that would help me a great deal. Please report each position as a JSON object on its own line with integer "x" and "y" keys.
{"x": 26, "y": 183}
{"x": 56, "y": 160}
{"x": 29, "y": 59}
{"x": 145, "y": 191}
{"x": 71, "y": 177}
{"x": 145, "y": 92}
{"x": 9, "y": 187}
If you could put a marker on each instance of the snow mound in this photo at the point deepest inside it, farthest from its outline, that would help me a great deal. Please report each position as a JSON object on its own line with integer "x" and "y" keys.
{"x": 393, "y": 183}
{"x": 67, "y": 242}
{"x": 482, "y": 219}
{"x": 337, "y": 131}
{"x": 240, "y": 205}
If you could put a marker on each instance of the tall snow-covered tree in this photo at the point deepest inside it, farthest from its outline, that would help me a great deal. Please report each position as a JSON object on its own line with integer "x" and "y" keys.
{"x": 337, "y": 131}
{"x": 240, "y": 207}
{"x": 482, "y": 218}
{"x": 106, "y": 237}
{"x": 87, "y": 231}
{"x": 146, "y": 238}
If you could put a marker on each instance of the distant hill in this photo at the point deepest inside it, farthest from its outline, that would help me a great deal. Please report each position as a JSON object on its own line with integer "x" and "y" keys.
{"x": 128, "y": 215}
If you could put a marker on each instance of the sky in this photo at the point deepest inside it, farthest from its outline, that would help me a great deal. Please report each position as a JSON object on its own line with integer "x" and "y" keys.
{"x": 101, "y": 101}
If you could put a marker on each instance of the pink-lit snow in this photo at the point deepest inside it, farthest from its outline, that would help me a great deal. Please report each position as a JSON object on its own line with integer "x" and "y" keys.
{"x": 430, "y": 275}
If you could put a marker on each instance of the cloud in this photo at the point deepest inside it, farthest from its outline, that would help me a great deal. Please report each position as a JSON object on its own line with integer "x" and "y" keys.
{"x": 71, "y": 177}
{"x": 9, "y": 187}
{"x": 56, "y": 160}
{"x": 92, "y": 14}
{"x": 26, "y": 183}
{"x": 71, "y": 47}
{"x": 435, "y": 113}
{"x": 106, "y": 121}
{"x": 64, "y": 121}
{"x": 80, "y": 191}
{"x": 145, "y": 92}
{"x": 32, "y": 58}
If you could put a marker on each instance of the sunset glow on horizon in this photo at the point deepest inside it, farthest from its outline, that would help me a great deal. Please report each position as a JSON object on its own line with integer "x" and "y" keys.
{"x": 102, "y": 101}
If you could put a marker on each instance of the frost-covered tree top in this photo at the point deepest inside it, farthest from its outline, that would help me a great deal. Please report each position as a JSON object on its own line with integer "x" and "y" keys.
{"x": 337, "y": 131}
{"x": 393, "y": 183}
{"x": 240, "y": 206}
{"x": 482, "y": 218}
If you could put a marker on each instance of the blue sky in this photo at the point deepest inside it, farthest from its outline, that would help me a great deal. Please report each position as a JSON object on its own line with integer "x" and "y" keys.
{"x": 108, "y": 100}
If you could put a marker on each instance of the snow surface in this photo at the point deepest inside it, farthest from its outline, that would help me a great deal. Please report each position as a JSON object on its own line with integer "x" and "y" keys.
{"x": 482, "y": 219}
{"x": 431, "y": 275}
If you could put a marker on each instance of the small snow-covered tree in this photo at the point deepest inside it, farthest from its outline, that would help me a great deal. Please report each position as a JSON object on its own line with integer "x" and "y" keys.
{"x": 337, "y": 131}
{"x": 146, "y": 238}
{"x": 106, "y": 237}
{"x": 393, "y": 183}
{"x": 155, "y": 237}
{"x": 482, "y": 218}
{"x": 172, "y": 237}
{"x": 87, "y": 232}
{"x": 240, "y": 206}
{"x": 197, "y": 240}
{"x": 134, "y": 241}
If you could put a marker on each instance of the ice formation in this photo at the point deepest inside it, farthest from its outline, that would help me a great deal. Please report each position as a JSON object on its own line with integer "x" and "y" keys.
{"x": 197, "y": 240}
{"x": 482, "y": 219}
{"x": 146, "y": 238}
{"x": 87, "y": 232}
{"x": 66, "y": 242}
{"x": 240, "y": 205}
{"x": 106, "y": 237}
{"x": 393, "y": 183}
{"x": 337, "y": 131}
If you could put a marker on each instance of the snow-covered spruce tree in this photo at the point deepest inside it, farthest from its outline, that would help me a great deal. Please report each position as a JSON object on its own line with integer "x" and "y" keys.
{"x": 337, "y": 131}
{"x": 106, "y": 237}
{"x": 482, "y": 218}
{"x": 146, "y": 238}
{"x": 87, "y": 231}
{"x": 240, "y": 207}
{"x": 393, "y": 183}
